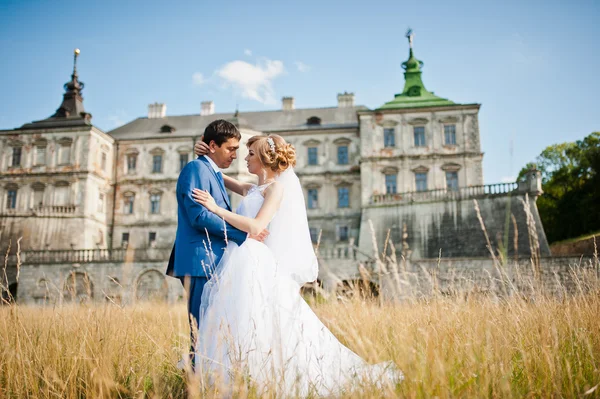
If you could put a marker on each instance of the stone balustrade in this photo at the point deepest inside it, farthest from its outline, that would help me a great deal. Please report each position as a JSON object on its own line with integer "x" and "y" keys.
{"x": 91, "y": 256}
{"x": 446, "y": 194}
{"x": 41, "y": 211}
{"x": 51, "y": 210}
{"x": 348, "y": 252}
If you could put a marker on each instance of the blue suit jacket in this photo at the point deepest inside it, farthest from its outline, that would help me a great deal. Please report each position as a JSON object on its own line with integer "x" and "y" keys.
{"x": 201, "y": 235}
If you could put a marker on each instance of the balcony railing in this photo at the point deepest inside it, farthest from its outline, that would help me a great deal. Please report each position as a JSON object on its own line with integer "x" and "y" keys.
{"x": 119, "y": 255}
{"x": 54, "y": 210}
{"x": 122, "y": 255}
{"x": 445, "y": 194}
{"x": 342, "y": 252}
{"x": 48, "y": 210}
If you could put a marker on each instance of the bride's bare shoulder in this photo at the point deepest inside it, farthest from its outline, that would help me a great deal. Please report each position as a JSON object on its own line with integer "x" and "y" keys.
{"x": 274, "y": 189}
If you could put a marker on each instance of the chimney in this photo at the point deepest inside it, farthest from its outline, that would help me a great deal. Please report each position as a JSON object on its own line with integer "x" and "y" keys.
{"x": 345, "y": 100}
{"x": 287, "y": 103}
{"x": 208, "y": 108}
{"x": 157, "y": 110}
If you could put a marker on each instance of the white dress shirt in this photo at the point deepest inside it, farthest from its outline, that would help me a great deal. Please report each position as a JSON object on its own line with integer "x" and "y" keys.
{"x": 213, "y": 164}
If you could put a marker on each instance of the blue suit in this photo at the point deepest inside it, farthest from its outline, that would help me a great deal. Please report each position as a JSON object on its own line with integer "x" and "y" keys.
{"x": 201, "y": 235}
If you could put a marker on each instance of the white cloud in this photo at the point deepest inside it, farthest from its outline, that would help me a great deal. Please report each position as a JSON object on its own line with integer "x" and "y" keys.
{"x": 198, "y": 78}
{"x": 508, "y": 179}
{"x": 302, "y": 67}
{"x": 252, "y": 81}
{"x": 248, "y": 52}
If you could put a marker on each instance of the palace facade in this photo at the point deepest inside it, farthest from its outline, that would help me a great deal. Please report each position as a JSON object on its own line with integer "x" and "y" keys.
{"x": 73, "y": 194}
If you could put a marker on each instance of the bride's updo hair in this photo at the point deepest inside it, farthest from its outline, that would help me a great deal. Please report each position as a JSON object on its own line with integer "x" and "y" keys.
{"x": 274, "y": 152}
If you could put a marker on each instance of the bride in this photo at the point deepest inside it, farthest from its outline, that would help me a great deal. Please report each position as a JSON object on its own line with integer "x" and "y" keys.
{"x": 253, "y": 320}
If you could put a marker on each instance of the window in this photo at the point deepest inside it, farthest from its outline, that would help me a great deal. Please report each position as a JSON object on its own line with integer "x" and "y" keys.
{"x": 342, "y": 233}
{"x": 38, "y": 195}
{"x": 103, "y": 162}
{"x": 40, "y": 155}
{"x": 313, "y": 198}
{"x": 312, "y": 156}
{"x": 452, "y": 181}
{"x": 61, "y": 194}
{"x": 155, "y": 203}
{"x": 100, "y": 202}
{"x": 128, "y": 204}
{"x": 390, "y": 184}
{"x": 124, "y": 240}
{"x": 156, "y": 163}
{"x": 11, "y": 198}
{"x": 131, "y": 161}
{"x": 421, "y": 181}
{"x": 419, "y": 132}
{"x": 342, "y": 155}
{"x": 38, "y": 198}
{"x": 343, "y": 197}
{"x": 183, "y": 160}
{"x": 16, "y": 156}
{"x": 450, "y": 134}
{"x": 389, "y": 137}
{"x": 313, "y": 120}
{"x": 167, "y": 129}
{"x": 314, "y": 234}
{"x": 65, "y": 154}
{"x": 152, "y": 238}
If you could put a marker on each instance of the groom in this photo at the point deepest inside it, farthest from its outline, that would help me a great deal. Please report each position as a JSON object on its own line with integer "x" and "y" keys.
{"x": 201, "y": 235}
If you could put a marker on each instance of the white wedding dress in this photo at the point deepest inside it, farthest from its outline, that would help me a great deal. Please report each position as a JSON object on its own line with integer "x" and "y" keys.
{"x": 254, "y": 322}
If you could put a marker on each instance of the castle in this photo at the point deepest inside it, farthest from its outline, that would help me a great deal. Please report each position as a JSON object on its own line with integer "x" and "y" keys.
{"x": 97, "y": 214}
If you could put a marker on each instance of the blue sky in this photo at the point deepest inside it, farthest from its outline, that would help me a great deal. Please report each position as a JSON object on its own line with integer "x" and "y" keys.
{"x": 532, "y": 65}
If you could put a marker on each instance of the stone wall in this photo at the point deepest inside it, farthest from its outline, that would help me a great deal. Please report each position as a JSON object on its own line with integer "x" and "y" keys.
{"x": 450, "y": 227}
{"x": 451, "y": 277}
{"x": 119, "y": 282}
{"x": 128, "y": 281}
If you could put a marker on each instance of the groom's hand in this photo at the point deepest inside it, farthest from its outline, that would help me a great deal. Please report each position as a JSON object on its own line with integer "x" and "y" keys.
{"x": 260, "y": 236}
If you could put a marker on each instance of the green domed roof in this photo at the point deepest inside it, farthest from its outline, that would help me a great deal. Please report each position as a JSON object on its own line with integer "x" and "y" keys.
{"x": 414, "y": 95}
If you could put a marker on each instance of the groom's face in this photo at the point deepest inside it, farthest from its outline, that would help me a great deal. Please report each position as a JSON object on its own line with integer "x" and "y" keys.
{"x": 224, "y": 155}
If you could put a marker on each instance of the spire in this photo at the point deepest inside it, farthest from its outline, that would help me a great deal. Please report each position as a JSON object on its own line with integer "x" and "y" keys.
{"x": 71, "y": 112}
{"x": 414, "y": 93}
{"x": 413, "y": 84}
{"x": 72, "y": 104}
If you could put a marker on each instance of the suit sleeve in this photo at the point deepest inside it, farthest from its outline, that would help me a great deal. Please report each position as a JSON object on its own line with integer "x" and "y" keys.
{"x": 199, "y": 217}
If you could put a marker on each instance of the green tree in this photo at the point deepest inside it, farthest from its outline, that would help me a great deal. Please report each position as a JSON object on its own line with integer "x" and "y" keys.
{"x": 570, "y": 205}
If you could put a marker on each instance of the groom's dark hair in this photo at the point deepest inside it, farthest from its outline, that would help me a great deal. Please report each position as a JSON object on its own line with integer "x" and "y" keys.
{"x": 220, "y": 131}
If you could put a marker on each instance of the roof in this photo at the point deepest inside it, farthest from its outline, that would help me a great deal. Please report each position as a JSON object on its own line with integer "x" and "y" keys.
{"x": 56, "y": 122}
{"x": 265, "y": 121}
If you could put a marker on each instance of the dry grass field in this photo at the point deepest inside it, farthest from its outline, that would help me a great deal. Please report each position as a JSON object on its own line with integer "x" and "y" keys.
{"x": 447, "y": 347}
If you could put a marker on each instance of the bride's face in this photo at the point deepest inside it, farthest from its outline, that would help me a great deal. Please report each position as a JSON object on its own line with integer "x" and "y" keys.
{"x": 253, "y": 160}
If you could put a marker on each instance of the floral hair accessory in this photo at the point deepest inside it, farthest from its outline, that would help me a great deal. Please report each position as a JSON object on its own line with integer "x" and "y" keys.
{"x": 271, "y": 144}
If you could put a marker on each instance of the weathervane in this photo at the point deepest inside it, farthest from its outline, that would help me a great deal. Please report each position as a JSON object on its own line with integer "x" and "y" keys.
{"x": 410, "y": 36}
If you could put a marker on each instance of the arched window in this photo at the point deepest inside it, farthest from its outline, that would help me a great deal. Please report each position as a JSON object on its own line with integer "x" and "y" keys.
{"x": 151, "y": 285}
{"x": 78, "y": 287}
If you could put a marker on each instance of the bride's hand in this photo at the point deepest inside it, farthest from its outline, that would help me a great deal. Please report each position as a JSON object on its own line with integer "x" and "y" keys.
{"x": 204, "y": 198}
{"x": 200, "y": 148}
